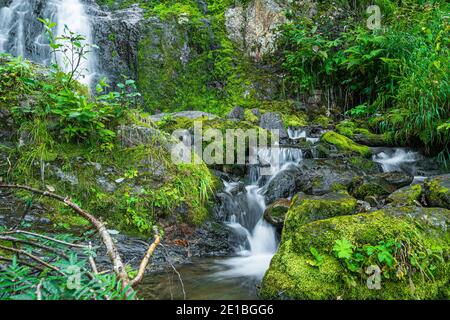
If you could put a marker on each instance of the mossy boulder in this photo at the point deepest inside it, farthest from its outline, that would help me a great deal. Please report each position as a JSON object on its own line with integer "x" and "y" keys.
{"x": 361, "y": 135}
{"x": 306, "y": 266}
{"x": 345, "y": 144}
{"x": 307, "y": 208}
{"x": 437, "y": 191}
{"x": 276, "y": 213}
{"x": 406, "y": 196}
{"x": 378, "y": 185}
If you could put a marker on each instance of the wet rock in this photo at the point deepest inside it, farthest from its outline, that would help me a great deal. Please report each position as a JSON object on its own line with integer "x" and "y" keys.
{"x": 63, "y": 176}
{"x": 296, "y": 273}
{"x": 345, "y": 144}
{"x": 283, "y": 185}
{"x": 105, "y": 184}
{"x": 320, "y": 176}
{"x": 276, "y": 213}
{"x": 379, "y": 185}
{"x": 437, "y": 191}
{"x": 432, "y": 220}
{"x": 273, "y": 121}
{"x": 237, "y": 113}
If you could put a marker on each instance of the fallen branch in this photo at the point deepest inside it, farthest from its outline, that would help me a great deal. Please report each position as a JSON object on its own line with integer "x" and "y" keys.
{"x": 146, "y": 259}
{"x": 111, "y": 249}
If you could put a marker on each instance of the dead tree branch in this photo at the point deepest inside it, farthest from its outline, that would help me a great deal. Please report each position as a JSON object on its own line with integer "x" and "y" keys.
{"x": 111, "y": 249}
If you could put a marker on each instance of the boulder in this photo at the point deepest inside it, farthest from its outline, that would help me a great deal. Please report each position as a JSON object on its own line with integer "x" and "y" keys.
{"x": 273, "y": 121}
{"x": 183, "y": 114}
{"x": 320, "y": 176}
{"x": 361, "y": 135}
{"x": 437, "y": 191}
{"x": 276, "y": 213}
{"x": 379, "y": 185}
{"x": 283, "y": 185}
{"x": 307, "y": 265}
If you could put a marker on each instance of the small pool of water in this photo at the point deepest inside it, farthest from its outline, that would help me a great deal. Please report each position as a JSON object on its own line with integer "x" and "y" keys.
{"x": 204, "y": 279}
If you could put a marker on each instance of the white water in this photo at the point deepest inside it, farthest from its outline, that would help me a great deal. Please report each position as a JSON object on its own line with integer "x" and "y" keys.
{"x": 72, "y": 14}
{"x": 12, "y": 20}
{"x": 16, "y": 38}
{"x": 297, "y": 134}
{"x": 254, "y": 256}
{"x": 395, "y": 159}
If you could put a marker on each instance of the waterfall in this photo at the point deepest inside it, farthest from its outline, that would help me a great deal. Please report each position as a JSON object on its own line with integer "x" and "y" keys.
{"x": 21, "y": 34}
{"x": 258, "y": 239}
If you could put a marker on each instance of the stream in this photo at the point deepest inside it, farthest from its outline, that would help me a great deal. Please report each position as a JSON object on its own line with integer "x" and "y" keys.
{"x": 238, "y": 277}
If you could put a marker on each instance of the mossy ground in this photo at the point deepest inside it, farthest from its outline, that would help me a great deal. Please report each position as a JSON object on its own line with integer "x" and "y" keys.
{"x": 132, "y": 188}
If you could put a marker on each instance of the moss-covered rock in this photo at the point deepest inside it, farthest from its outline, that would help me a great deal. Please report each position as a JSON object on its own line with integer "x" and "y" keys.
{"x": 305, "y": 266}
{"x": 276, "y": 213}
{"x": 378, "y": 185}
{"x": 361, "y": 135}
{"x": 345, "y": 144}
{"x": 406, "y": 196}
{"x": 306, "y": 208}
{"x": 437, "y": 191}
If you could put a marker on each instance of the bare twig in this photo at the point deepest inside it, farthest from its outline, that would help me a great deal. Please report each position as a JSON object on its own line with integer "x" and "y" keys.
{"x": 34, "y": 244}
{"x": 22, "y": 262}
{"x": 44, "y": 237}
{"x": 92, "y": 262}
{"x": 38, "y": 290}
{"x": 32, "y": 257}
{"x": 146, "y": 259}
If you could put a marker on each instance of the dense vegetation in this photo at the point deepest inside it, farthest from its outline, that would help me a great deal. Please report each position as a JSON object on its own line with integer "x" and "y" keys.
{"x": 389, "y": 86}
{"x": 395, "y": 77}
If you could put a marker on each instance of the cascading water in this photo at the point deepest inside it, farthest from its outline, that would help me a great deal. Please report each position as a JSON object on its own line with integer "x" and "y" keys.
{"x": 258, "y": 238}
{"x": 21, "y": 34}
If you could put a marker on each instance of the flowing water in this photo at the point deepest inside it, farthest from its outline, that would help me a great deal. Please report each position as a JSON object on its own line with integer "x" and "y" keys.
{"x": 21, "y": 34}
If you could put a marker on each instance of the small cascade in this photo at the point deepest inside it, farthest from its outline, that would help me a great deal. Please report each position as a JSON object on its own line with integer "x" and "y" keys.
{"x": 273, "y": 160}
{"x": 396, "y": 159}
{"x": 302, "y": 133}
{"x": 257, "y": 238}
{"x": 21, "y": 34}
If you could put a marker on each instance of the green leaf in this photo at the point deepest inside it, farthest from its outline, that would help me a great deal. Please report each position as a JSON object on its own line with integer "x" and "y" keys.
{"x": 343, "y": 249}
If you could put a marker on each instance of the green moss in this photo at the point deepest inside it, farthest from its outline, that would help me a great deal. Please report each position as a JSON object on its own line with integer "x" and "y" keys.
{"x": 322, "y": 120}
{"x": 305, "y": 208}
{"x": 437, "y": 191}
{"x": 345, "y": 144}
{"x": 407, "y": 196}
{"x": 250, "y": 117}
{"x": 292, "y": 275}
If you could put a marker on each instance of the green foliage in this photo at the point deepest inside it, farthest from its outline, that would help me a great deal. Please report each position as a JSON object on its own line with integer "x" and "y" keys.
{"x": 73, "y": 49}
{"x": 394, "y": 258}
{"x": 401, "y": 71}
{"x": 23, "y": 280}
